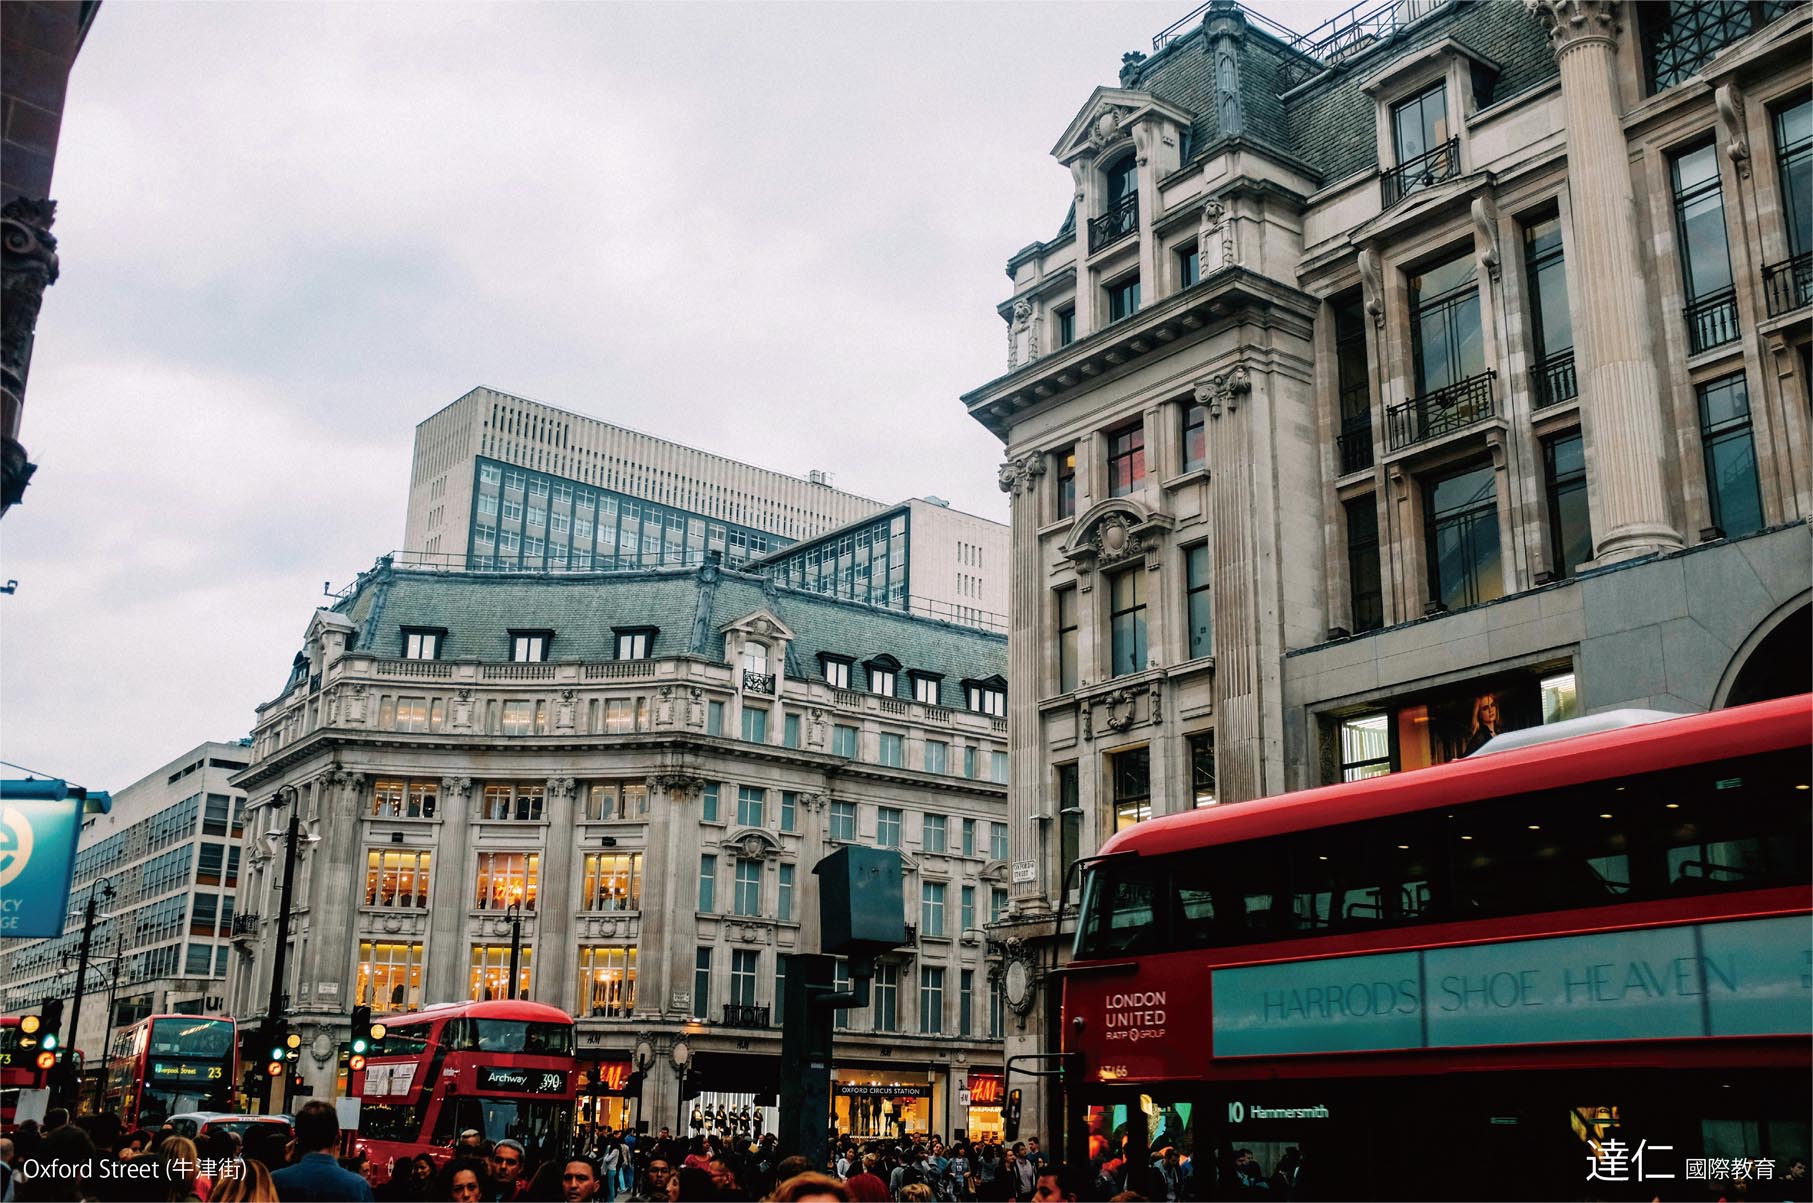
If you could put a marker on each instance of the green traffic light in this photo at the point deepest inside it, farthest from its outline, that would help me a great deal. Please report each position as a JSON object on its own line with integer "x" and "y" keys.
{"x": 277, "y": 1053}
{"x": 360, "y": 1045}
{"x": 50, "y": 1041}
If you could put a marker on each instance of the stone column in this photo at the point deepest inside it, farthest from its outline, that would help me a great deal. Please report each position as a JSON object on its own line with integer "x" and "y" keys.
{"x": 669, "y": 928}
{"x": 335, "y": 888}
{"x": 1621, "y": 398}
{"x": 1233, "y": 577}
{"x": 443, "y": 980}
{"x": 551, "y": 980}
{"x": 1025, "y": 651}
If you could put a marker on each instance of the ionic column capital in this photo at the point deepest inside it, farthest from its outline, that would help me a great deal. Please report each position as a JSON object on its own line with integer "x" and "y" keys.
{"x": 1575, "y": 23}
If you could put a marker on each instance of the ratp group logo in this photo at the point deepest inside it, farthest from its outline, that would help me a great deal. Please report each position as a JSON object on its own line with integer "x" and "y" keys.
{"x": 15, "y": 844}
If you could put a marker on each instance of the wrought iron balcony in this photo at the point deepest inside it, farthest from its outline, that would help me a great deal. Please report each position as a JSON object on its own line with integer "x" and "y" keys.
{"x": 1115, "y": 224}
{"x": 245, "y": 926}
{"x": 754, "y": 682}
{"x": 736, "y": 1015}
{"x": 1712, "y": 321}
{"x": 1789, "y": 284}
{"x": 1441, "y": 412}
{"x": 1442, "y": 163}
{"x": 1355, "y": 445}
{"x": 1554, "y": 379}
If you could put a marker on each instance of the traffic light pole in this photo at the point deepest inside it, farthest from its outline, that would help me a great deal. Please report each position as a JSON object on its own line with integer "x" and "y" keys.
{"x": 113, "y": 989}
{"x": 273, "y": 1023}
{"x": 71, "y": 1090}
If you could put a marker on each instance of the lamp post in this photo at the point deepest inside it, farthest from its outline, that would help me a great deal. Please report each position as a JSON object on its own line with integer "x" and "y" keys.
{"x": 100, "y": 889}
{"x": 288, "y": 840}
{"x": 681, "y": 1053}
{"x": 514, "y": 914}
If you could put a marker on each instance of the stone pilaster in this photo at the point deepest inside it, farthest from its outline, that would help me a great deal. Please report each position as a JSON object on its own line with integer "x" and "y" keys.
{"x": 1621, "y": 400}
{"x": 444, "y": 979}
{"x": 555, "y": 953}
{"x": 670, "y": 868}
{"x": 1233, "y": 573}
{"x": 335, "y": 888}
{"x": 1019, "y": 479}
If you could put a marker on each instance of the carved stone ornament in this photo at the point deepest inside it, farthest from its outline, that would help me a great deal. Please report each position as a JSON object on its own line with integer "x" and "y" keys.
{"x": 1022, "y": 474}
{"x": 1114, "y": 540}
{"x": 1373, "y": 284}
{"x": 1020, "y": 336}
{"x": 30, "y": 267}
{"x": 814, "y": 802}
{"x": 1225, "y": 388}
{"x": 1730, "y": 104}
{"x": 1575, "y": 23}
{"x": 1019, "y": 977}
{"x": 561, "y": 787}
{"x": 1106, "y": 127}
{"x": 1142, "y": 143}
{"x": 1485, "y": 227}
{"x": 1130, "y": 64}
{"x": 1215, "y": 239}
{"x": 677, "y": 783}
{"x": 456, "y": 787}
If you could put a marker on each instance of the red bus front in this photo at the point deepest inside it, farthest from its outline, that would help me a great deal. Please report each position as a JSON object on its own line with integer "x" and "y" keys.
{"x": 505, "y": 1069}
{"x": 18, "y": 1067}
{"x": 166, "y": 1065}
{"x": 1486, "y": 980}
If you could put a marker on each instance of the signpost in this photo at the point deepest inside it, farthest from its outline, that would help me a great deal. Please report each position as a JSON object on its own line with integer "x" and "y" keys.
{"x": 40, "y": 823}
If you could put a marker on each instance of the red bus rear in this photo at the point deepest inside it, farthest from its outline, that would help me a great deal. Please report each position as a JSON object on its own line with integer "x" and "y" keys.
{"x": 1481, "y": 980}
{"x": 503, "y": 1068}
{"x": 165, "y": 1065}
{"x": 18, "y": 1067}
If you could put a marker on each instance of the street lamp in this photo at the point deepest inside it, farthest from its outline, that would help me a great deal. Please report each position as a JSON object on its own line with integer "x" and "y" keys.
{"x": 102, "y": 889}
{"x": 291, "y": 842}
{"x": 681, "y": 1053}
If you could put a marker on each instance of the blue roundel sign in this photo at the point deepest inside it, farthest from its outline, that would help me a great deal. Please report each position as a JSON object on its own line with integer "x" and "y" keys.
{"x": 37, "y": 859}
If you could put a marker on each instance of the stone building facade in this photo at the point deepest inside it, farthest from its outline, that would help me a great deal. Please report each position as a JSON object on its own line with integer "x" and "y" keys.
{"x": 649, "y": 765}
{"x": 1439, "y": 371}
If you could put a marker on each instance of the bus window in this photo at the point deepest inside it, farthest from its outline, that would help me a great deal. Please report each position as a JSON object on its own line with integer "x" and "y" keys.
{"x": 1119, "y": 910}
{"x": 510, "y": 1036}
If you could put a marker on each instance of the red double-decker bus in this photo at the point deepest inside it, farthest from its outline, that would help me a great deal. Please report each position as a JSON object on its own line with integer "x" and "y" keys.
{"x": 1487, "y": 979}
{"x": 18, "y": 1067}
{"x": 164, "y": 1065}
{"x": 504, "y": 1068}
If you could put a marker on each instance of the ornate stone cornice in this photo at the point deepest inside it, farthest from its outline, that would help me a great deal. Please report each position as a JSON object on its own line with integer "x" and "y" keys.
{"x": 1224, "y": 389}
{"x": 1022, "y": 475}
{"x": 1575, "y": 23}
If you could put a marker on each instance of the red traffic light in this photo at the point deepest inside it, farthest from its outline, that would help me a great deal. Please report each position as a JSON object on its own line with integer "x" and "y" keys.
{"x": 47, "y": 1060}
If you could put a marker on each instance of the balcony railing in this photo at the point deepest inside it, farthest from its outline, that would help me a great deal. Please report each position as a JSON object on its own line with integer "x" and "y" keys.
{"x": 1445, "y": 410}
{"x": 736, "y": 1015}
{"x": 245, "y": 925}
{"x": 1712, "y": 321}
{"x": 754, "y": 682}
{"x": 1355, "y": 445}
{"x": 1115, "y": 224}
{"x": 1442, "y": 163}
{"x": 1554, "y": 379}
{"x": 1789, "y": 284}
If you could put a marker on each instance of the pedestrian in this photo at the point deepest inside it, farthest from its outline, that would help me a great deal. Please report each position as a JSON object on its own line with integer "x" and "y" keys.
{"x": 316, "y": 1174}
{"x": 810, "y": 1187}
{"x": 504, "y": 1169}
{"x": 610, "y": 1161}
{"x": 249, "y": 1182}
{"x": 579, "y": 1180}
{"x": 654, "y": 1182}
{"x": 178, "y": 1165}
{"x": 463, "y": 1181}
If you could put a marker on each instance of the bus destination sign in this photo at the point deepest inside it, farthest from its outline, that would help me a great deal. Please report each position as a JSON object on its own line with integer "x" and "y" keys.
{"x": 521, "y": 1081}
{"x": 158, "y": 1069}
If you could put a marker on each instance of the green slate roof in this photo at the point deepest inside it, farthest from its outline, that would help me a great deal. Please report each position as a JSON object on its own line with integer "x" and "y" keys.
{"x": 689, "y": 606}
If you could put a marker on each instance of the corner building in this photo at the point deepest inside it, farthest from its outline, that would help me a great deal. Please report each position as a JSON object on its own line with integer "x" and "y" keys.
{"x": 1441, "y": 371}
{"x": 650, "y": 764}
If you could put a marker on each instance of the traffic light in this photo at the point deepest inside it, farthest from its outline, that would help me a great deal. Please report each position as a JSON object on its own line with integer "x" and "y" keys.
{"x": 49, "y": 1041}
{"x": 292, "y": 1047}
{"x": 355, "y": 1062}
{"x": 366, "y": 1035}
{"x": 47, "y": 1060}
{"x": 51, "y": 1018}
{"x": 275, "y": 1068}
{"x": 1010, "y": 1120}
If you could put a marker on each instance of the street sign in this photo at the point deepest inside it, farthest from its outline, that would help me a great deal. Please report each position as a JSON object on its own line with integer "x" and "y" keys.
{"x": 1025, "y": 870}
{"x": 37, "y": 859}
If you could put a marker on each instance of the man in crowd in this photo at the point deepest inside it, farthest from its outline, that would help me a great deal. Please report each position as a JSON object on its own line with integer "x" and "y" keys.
{"x": 317, "y": 1173}
{"x": 505, "y": 1166}
{"x": 579, "y": 1181}
{"x": 655, "y": 1180}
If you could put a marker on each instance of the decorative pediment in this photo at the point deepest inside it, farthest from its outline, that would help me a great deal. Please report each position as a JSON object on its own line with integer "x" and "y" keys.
{"x": 1110, "y": 533}
{"x": 763, "y": 624}
{"x": 1107, "y": 120}
{"x": 752, "y": 843}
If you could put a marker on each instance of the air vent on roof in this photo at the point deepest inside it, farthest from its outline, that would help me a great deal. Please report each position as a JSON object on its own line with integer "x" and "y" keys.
{"x": 1591, "y": 724}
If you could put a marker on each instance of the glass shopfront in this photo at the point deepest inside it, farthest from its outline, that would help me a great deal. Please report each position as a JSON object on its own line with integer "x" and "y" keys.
{"x": 879, "y": 1103}
{"x": 987, "y": 1093}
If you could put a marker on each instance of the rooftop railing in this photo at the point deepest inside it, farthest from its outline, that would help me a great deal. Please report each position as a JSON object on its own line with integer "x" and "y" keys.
{"x": 1342, "y": 36}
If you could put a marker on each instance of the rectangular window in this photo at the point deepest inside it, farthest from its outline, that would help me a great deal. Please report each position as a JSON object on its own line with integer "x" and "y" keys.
{"x": 1195, "y": 436}
{"x": 411, "y": 714}
{"x": 747, "y": 899}
{"x": 1419, "y": 127}
{"x": 714, "y": 718}
{"x": 632, "y": 645}
{"x": 1189, "y": 266}
{"x": 886, "y": 996}
{"x": 513, "y": 802}
{"x": 1570, "y": 526}
{"x": 755, "y": 724}
{"x": 1730, "y": 450}
{"x": 612, "y": 882}
{"x": 537, "y": 517}
{"x": 789, "y": 810}
{"x": 837, "y": 673}
{"x": 997, "y": 767}
{"x": 1127, "y": 621}
{"x": 1448, "y": 346}
{"x": 701, "y": 984}
{"x": 1353, "y": 384}
{"x": 1199, "y": 601}
{"x": 490, "y": 976}
{"x": 708, "y": 803}
{"x": 1067, "y": 483}
{"x": 934, "y": 833}
{"x": 843, "y": 741}
{"x": 997, "y": 841}
{"x": 931, "y": 1000}
{"x": 937, "y": 756}
{"x": 881, "y": 681}
{"x": 931, "y": 908}
{"x": 389, "y": 975}
{"x": 969, "y": 763}
{"x": 1132, "y": 777}
{"x": 1365, "y": 746}
{"x": 1123, "y": 298}
{"x": 1126, "y": 459}
{"x": 997, "y": 1010}
{"x": 969, "y": 837}
{"x": 708, "y": 883}
{"x": 421, "y": 644}
{"x": 1704, "y": 248}
{"x": 506, "y": 879}
{"x": 892, "y": 750}
{"x": 743, "y": 967}
{"x": 966, "y": 994}
{"x": 1460, "y": 518}
{"x": 1794, "y": 169}
{"x": 1365, "y": 588}
{"x": 397, "y": 878}
{"x": 784, "y": 898}
{"x": 843, "y": 822}
{"x": 519, "y": 718}
{"x": 751, "y": 801}
{"x": 1202, "y": 768}
{"x": 984, "y": 699}
{"x": 997, "y": 903}
{"x": 1070, "y": 820}
{"x": 529, "y": 647}
{"x": 1067, "y": 645}
{"x": 1066, "y": 326}
{"x": 607, "y": 982}
{"x": 887, "y": 827}
{"x": 1545, "y": 268}
{"x": 214, "y": 817}
{"x": 1560, "y": 698}
{"x": 966, "y": 908}
{"x": 790, "y": 731}
{"x": 404, "y": 799}
{"x": 925, "y": 690}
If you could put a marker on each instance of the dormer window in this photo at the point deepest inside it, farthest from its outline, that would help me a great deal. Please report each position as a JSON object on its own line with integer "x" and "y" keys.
{"x": 836, "y": 670}
{"x": 635, "y": 643}
{"x": 530, "y": 646}
{"x": 926, "y": 687}
{"x": 422, "y": 643}
{"x": 1123, "y": 179}
{"x": 1425, "y": 151}
{"x": 1120, "y": 215}
{"x": 987, "y": 696}
{"x": 883, "y": 672}
{"x": 755, "y": 658}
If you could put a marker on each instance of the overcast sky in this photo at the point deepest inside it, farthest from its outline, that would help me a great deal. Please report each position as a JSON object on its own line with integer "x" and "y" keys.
{"x": 291, "y": 232}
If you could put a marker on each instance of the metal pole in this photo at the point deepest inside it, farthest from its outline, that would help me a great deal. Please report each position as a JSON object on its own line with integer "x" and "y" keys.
{"x": 113, "y": 989}
{"x": 274, "y": 1006}
{"x": 680, "y": 1116}
{"x": 515, "y": 943}
{"x": 72, "y": 1087}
